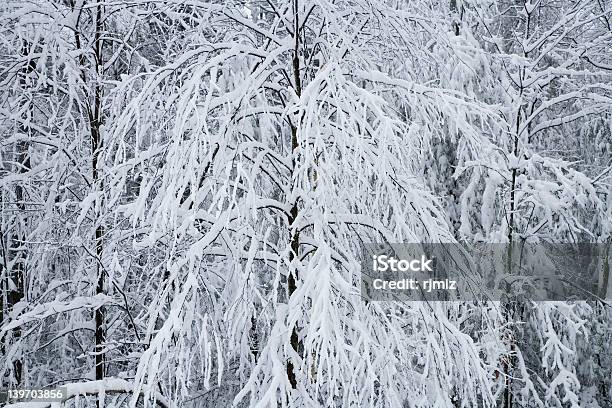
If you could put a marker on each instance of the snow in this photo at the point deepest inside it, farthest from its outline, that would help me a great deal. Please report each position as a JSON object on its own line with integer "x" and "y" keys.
{"x": 248, "y": 151}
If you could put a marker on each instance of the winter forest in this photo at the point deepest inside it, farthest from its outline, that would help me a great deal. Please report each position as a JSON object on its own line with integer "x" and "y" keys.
{"x": 185, "y": 187}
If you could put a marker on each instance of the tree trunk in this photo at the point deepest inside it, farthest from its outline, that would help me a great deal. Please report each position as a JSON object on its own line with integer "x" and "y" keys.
{"x": 293, "y": 214}
{"x": 454, "y": 12}
{"x": 95, "y": 119}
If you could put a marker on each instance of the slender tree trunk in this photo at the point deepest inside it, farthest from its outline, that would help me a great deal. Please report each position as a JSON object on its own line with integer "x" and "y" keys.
{"x": 95, "y": 119}
{"x": 454, "y": 11}
{"x": 293, "y": 214}
{"x": 18, "y": 271}
{"x": 511, "y": 314}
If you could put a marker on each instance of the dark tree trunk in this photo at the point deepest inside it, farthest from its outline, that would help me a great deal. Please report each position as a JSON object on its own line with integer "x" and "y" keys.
{"x": 293, "y": 214}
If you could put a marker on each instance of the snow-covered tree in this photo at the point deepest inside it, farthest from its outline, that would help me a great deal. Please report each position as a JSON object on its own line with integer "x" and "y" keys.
{"x": 545, "y": 177}
{"x": 266, "y": 153}
{"x": 59, "y": 61}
